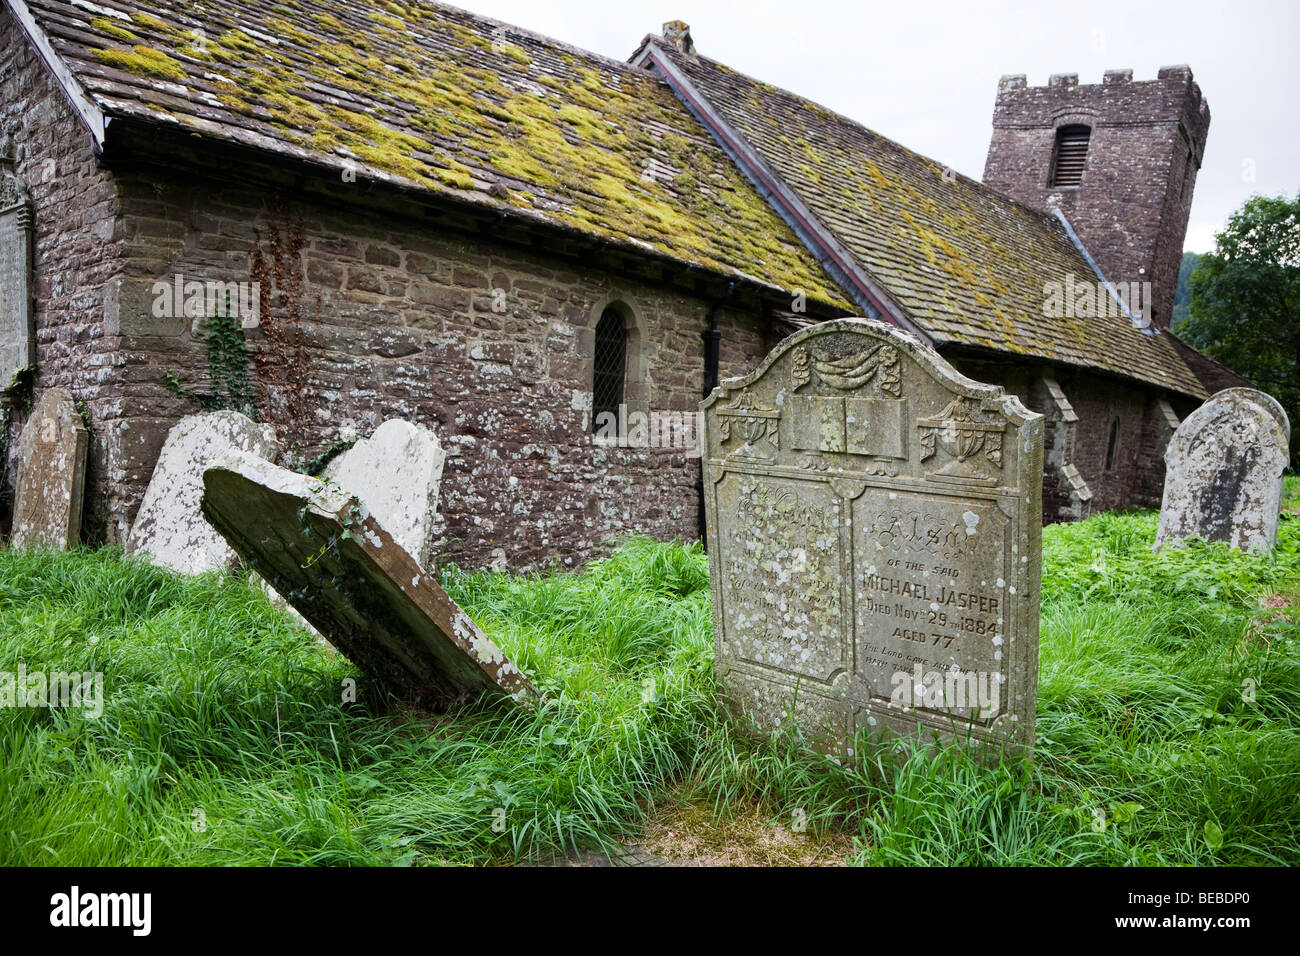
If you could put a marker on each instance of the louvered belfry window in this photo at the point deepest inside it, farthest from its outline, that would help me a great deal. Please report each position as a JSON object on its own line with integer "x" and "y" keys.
{"x": 610, "y": 365}
{"x": 1071, "y": 154}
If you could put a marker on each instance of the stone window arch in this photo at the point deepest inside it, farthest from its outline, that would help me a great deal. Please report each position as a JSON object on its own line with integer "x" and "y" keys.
{"x": 1112, "y": 444}
{"x": 618, "y": 368}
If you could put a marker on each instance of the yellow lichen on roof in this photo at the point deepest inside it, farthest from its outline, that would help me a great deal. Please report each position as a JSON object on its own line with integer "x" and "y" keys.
{"x": 967, "y": 264}
{"x": 439, "y": 99}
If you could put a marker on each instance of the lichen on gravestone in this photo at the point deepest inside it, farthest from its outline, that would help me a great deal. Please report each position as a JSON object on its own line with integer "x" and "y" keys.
{"x": 1224, "y": 472}
{"x": 874, "y": 530}
{"x": 322, "y": 549}
{"x": 50, "y": 490}
{"x": 169, "y": 529}
{"x": 17, "y": 320}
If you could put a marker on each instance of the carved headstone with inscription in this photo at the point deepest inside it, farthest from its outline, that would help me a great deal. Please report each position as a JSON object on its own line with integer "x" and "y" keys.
{"x": 17, "y": 349}
{"x": 1223, "y": 472}
{"x": 874, "y": 529}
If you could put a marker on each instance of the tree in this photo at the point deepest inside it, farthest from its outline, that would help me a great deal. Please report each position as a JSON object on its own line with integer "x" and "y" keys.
{"x": 1245, "y": 305}
{"x": 1183, "y": 290}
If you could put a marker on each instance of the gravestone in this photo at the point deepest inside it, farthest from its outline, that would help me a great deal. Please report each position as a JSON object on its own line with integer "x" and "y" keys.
{"x": 336, "y": 564}
{"x": 170, "y": 529}
{"x": 396, "y": 472}
{"x": 17, "y": 333}
{"x": 51, "y": 475}
{"x": 1223, "y": 472}
{"x": 874, "y": 525}
{"x": 1273, "y": 406}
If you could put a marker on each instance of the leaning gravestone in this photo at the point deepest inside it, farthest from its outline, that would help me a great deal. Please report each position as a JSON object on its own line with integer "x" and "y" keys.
{"x": 169, "y": 529}
{"x": 321, "y": 548}
{"x": 396, "y": 472}
{"x": 51, "y": 475}
{"x": 1223, "y": 472}
{"x": 874, "y": 524}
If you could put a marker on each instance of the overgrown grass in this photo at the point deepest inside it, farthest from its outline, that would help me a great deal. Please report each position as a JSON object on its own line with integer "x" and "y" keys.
{"x": 225, "y": 740}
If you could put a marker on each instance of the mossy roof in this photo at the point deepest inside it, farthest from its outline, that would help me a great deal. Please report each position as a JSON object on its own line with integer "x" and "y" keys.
{"x": 966, "y": 263}
{"x": 442, "y": 100}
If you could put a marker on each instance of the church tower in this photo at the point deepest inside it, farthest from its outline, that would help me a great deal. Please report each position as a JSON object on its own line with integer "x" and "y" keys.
{"x": 1119, "y": 160}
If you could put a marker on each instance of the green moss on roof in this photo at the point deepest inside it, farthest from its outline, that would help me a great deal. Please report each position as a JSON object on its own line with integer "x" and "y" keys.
{"x": 967, "y": 264}
{"x": 239, "y": 40}
{"x": 328, "y": 21}
{"x": 387, "y": 20}
{"x": 443, "y": 100}
{"x": 142, "y": 61}
{"x": 150, "y": 22}
{"x": 112, "y": 29}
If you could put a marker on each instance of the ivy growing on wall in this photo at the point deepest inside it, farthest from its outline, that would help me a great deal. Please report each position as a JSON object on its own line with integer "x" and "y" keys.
{"x": 228, "y": 364}
{"x": 269, "y": 381}
{"x": 283, "y": 365}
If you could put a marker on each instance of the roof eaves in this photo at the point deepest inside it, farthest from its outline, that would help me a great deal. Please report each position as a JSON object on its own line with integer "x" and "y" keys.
{"x": 838, "y": 261}
{"x": 257, "y": 144}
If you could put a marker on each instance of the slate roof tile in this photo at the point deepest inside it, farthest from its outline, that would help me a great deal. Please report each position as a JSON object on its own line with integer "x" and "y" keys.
{"x": 965, "y": 262}
{"x": 441, "y": 100}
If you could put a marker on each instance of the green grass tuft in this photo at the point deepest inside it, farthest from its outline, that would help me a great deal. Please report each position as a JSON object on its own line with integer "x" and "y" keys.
{"x": 225, "y": 740}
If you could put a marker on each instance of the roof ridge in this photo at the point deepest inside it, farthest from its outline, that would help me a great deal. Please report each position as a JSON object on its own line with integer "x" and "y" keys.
{"x": 622, "y": 65}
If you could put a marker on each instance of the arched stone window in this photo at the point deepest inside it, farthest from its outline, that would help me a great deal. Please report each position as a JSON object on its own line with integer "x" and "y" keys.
{"x": 1070, "y": 155}
{"x": 609, "y": 365}
{"x": 1112, "y": 445}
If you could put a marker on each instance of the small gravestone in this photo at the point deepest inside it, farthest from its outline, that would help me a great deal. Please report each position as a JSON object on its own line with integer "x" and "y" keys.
{"x": 51, "y": 475}
{"x": 17, "y": 335}
{"x": 170, "y": 529}
{"x": 396, "y": 472}
{"x": 335, "y": 563}
{"x": 1223, "y": 472}
{"x": 874, "y": 525}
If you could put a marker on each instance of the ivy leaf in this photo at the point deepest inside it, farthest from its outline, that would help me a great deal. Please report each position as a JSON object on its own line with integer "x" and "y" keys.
{"x": 1213, "y": 836}
{"x": 1124, "y": 812}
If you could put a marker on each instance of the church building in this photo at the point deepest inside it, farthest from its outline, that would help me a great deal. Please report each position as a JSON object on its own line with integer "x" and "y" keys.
{"x": 332, "y": 215}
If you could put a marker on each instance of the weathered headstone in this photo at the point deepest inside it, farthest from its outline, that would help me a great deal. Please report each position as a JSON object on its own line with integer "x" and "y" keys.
{"x": 332, "y": 560}
{"x": 396, "y": 472}
{"x": 17, "y": 333}
{"x": 169, "y": 529}
{"x": 1223, "y": 472}
{"x": 51, "y": 475}
{"x": 1261, "y": 398}
{"x": 874, "y": 524}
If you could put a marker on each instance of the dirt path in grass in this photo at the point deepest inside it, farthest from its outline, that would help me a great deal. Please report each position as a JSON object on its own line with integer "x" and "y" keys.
{"x": 687, "y": 835}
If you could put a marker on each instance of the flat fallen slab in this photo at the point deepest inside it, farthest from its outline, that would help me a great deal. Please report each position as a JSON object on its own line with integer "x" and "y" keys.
{"x": 319, "y": 547}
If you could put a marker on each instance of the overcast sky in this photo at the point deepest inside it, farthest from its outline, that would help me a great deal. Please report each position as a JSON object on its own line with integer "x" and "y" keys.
{"x": 925, "y": 72}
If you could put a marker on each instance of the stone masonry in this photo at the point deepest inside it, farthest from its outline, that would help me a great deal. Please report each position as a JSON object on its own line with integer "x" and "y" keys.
{"x": 405, "y": 329}
{"x": 77, "y": 247}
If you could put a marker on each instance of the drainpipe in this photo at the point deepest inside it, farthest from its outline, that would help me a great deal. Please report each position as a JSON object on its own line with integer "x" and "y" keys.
{"x": 712, "y": 351}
